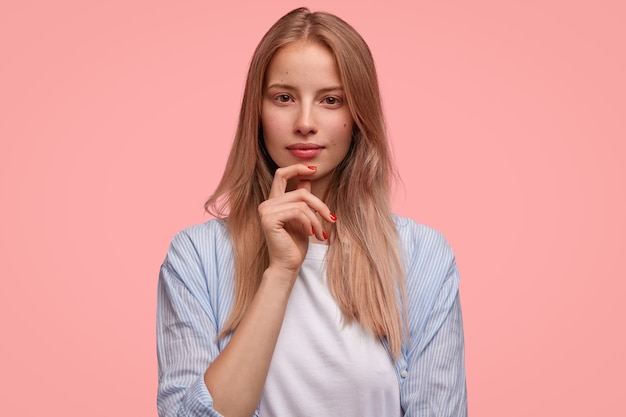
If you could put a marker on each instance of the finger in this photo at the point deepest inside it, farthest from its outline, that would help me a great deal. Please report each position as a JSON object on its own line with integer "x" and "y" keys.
{"x": 294, "y": 216}
{"x": 305, "y": 184}
{"x": 283, "y": 175}
{"x": 280, "y": 214}
{"x": 303, "y": 196}
{"x": 317, "y": 227}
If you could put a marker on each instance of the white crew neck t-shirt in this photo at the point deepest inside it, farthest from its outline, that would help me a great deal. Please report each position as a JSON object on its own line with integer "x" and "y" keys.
{"x": 321, "y": 366}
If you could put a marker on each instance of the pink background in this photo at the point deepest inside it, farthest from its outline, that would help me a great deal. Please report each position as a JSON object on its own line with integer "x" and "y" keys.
{"x": 508, "y": 126}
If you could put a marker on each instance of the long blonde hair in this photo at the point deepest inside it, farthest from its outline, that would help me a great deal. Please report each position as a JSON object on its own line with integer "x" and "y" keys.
{"x": 363, "y": 263}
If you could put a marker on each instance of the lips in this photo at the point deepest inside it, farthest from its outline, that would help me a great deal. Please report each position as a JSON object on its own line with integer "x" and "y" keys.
{"x": 305, "y": 150}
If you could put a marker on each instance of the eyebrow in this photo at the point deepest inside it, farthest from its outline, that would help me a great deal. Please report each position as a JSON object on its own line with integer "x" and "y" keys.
{"x": 292, "y": 88}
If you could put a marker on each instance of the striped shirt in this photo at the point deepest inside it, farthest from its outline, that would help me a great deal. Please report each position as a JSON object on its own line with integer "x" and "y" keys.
{"x": 195, "y": 295}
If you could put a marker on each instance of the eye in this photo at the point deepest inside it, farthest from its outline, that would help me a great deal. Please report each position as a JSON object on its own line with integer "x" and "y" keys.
{"x": 283, "y": 98}
{"x": 332, "y": 101}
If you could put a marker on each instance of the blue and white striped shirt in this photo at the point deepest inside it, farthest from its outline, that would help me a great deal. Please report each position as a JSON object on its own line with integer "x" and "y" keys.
{"x": 195, "y": 295}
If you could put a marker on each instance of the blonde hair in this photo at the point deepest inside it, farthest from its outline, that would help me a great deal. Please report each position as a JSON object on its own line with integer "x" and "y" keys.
{"x": 363, "y": 263}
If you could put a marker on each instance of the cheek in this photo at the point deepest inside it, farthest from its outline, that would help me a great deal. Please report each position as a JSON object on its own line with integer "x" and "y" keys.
{"x": 272, "y": 122}
{"x": 268, "y": 115}
{"x": 343, "y": 139}
{"x": 344, "y": 132}
{"x": 269, "y": 128}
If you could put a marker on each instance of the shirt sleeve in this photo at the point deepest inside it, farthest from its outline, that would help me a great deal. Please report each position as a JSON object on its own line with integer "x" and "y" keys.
{"x": 434, "y": 383}
{"x": 187, "y": 341}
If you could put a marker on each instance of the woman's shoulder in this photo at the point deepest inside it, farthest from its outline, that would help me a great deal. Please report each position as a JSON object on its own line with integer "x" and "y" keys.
{"x": 200, "y": 240}
{"x": 426, "y": 252}
{"x": 414, "y": 235}
{"x": 214, "y": 228}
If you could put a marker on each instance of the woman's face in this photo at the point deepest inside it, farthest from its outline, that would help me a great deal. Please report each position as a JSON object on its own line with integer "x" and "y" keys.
{"x": 304, "y": 113}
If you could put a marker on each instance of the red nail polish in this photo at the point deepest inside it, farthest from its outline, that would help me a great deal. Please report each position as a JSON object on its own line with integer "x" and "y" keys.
{"x": 312, "y": 230}
{"x": 333, "y": 217}
{"x": 324, "y": 235}
{"x": 312, "y": 167}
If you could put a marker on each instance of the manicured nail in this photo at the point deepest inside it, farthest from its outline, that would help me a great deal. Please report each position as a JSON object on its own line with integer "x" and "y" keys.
{"x": 312, "y": 230}
{"x": 333, "y": 217}
{"x": 312, "y": 167}
{"x": 324, "y": 235}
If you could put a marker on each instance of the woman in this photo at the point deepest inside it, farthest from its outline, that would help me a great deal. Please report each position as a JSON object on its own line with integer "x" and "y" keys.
{"x": 284, "y": 307}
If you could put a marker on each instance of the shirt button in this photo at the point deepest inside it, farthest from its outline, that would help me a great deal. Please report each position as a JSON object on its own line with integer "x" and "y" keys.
{"x": 403, "y": 373}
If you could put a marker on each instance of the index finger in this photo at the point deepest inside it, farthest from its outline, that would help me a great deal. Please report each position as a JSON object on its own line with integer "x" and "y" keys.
{"x": 283, "y": 175}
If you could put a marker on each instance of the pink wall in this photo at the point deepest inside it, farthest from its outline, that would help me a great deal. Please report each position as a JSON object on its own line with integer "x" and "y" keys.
{"x": 508, "y": 124}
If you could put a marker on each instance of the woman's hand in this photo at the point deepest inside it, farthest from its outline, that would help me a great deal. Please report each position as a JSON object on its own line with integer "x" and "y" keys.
{"x": 237, "y": 376}
{"x": 289, "y": 218}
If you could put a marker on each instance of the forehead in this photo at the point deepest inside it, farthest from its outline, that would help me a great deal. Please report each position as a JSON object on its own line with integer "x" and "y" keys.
{"x": 303, "y": 61}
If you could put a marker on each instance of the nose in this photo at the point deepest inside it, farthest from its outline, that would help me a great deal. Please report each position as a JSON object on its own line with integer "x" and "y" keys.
{"x": 305, "y": 121}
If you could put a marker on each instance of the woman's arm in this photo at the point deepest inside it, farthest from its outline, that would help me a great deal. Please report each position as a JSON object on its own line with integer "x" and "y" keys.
{"x": 434, "y": 382}
{"x": 237, "y": 376}
{"x": 234, "y": 378}
{"x": 187, "y": 345}
{"x": 436, "y": 374}
{"x": 186, "y": 329}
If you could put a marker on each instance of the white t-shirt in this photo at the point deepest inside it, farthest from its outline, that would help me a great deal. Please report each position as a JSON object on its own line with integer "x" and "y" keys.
{"x": 321, "y": 366}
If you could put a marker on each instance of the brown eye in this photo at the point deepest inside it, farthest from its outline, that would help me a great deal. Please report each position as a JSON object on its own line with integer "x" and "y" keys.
{"x": 283, "y": 98}
{"x": 333, "y": 101}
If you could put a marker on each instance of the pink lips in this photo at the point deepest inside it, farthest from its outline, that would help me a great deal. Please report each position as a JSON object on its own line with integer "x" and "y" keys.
{"x": 305, "y": 150}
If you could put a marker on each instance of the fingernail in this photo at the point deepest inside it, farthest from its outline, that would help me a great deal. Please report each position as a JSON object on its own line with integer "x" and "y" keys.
{"x": 312, "y": 167}
{"x": 324, "y": 235}
{"x": 312, "y": 230}
{"x": 333, "y": 217}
